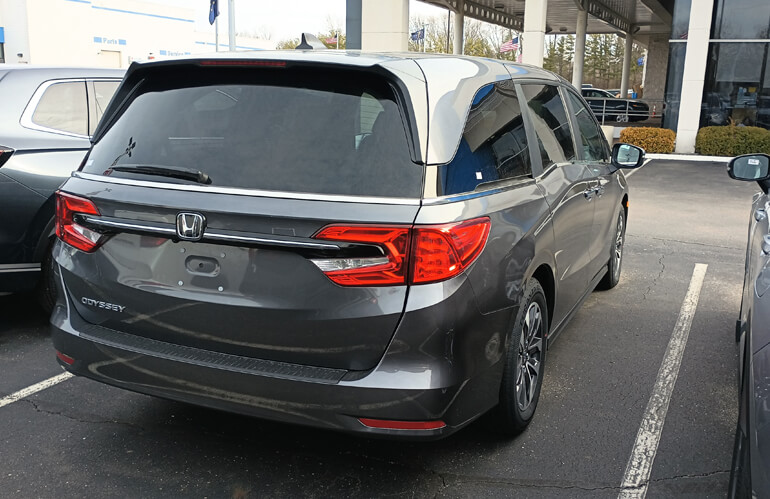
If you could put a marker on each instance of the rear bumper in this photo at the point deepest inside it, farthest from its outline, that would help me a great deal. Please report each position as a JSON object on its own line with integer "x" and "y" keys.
{"x": 442, "y": 380}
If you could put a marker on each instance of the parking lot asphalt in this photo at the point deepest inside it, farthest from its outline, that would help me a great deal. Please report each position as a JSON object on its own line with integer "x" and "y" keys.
{"x": 80, "y": 438}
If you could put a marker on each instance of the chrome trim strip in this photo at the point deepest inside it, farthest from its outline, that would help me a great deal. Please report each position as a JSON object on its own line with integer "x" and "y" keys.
{"x": 218, "y": 236}
{"x": 19, "y": 267}
{"x": 130, "y": 226}
{"x": 453, "y": 198}
{"x": 209, "y": 235}
{"x": 250, "y": 192}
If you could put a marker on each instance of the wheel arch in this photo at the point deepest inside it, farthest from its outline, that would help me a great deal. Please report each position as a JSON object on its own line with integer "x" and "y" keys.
{"x": 544, "y": 275}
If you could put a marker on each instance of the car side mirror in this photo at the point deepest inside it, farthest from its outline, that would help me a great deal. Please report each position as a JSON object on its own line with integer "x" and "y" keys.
{"x": 627, "y": 156}
{"x": 749, "y": 167}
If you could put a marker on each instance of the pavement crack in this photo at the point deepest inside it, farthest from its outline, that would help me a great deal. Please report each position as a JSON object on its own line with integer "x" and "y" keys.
{"x": 696, "y": 475}
{"x": 656, "y": 278}
{"x": 534, "y": 484}
{"x": 682, "y": 241}
{"x": 40, "y": 410}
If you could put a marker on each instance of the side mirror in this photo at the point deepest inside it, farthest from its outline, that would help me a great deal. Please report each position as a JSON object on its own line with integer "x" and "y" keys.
{"x": 749, "y": 167}
{"x": 627, "y": 156}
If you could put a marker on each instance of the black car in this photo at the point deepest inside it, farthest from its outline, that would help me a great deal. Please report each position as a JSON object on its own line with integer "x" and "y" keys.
{"x": 46, "y": 119}
{"x": 607, "y": 107}
{"x": 750, "y": 475}
{"x": 361, "y": 242}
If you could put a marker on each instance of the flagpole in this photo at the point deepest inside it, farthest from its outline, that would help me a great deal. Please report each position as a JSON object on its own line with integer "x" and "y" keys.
{"x": 423, "y": 38}
{"x": 216, "y": 33}
{"x": 338, "y": 40}
{"x": 231, "y": 24}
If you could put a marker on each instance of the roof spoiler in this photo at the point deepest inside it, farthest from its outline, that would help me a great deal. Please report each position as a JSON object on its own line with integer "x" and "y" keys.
{"x": 310, "y": 42}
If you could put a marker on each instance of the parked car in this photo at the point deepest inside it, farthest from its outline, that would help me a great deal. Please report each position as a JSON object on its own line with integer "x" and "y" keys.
{"x": 749, "y": 476}
{"x": 607, "y": 106}
{"x": 368, "y": 243}
{"x": 46, "y": 119}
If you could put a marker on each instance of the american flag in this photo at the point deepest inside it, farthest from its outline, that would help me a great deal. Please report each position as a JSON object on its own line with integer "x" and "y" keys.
{"x": 331, "y": 41}
{"x": 510, "y": 45}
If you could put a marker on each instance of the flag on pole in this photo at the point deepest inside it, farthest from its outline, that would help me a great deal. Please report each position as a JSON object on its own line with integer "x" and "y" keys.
{"x": 213, "y": 11}
{"x": 510, "y": 45}
{"x": 418, "y": 35}
{"x": 331, "y": 41}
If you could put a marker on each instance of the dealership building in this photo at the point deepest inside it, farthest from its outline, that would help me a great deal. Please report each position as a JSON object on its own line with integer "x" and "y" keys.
{"x": 707, "y": 63}
{"x": 103, "y": 33}
{"x": 707, "y": 60}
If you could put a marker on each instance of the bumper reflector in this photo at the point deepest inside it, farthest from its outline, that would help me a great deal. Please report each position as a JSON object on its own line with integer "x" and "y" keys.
{"x": 65, "y": 358}
{"x": 402, "y": 425}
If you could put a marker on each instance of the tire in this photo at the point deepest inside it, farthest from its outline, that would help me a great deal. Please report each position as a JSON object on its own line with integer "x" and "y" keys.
{"x": 46, "y": 288}
{"x": 524, "y": 364}
{"x": 612, "y": 277}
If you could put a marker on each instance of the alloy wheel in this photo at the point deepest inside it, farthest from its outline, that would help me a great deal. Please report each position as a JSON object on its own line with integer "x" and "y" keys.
{"x": 530, "y": 356}
{"x": 618, "y": 253}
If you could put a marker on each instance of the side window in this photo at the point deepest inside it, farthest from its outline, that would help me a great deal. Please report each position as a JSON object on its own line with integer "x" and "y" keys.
{"x": 100, "y": 95}
{"x": 549, "y": 118}
{"x": 63, "y": 107}
{"x": 494, "y": 143}
{"x": 588, "y": 135}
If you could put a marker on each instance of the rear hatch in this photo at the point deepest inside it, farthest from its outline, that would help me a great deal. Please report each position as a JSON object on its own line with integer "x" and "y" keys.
{"x": 204, "y": 207}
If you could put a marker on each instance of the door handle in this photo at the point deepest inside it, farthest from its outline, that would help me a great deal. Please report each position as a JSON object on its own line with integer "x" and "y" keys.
{"x": 599, "y": 190}
{"x": 760, "y": 215}
{"x": 589, "y": 193}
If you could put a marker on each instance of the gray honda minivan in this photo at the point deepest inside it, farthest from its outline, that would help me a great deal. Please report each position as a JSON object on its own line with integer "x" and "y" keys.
{"x": 381, "y": 244}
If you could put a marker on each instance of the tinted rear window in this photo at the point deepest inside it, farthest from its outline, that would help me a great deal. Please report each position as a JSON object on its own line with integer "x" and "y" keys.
{"x": 288, "y": 129}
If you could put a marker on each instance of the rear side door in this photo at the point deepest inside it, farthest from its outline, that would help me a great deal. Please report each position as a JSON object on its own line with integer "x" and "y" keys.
{"x": 569, "y": 190}
{"x": 259, "y": 212}
{"x": 594, "y": 153}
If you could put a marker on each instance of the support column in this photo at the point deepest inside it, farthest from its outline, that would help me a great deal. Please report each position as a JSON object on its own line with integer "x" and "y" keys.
{"x": 353, "y": 24}
{"x": 385, "y": 25}
{"x": 534, "y": 32}
{"x": 580, "y": 49}
{"x": 626, "y": 66}
{"x": 694, "y": 75}
{"x": 459, "y": 28}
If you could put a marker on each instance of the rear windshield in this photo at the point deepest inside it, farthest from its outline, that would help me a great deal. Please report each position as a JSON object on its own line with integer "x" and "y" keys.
{"x": 283, "y": 129}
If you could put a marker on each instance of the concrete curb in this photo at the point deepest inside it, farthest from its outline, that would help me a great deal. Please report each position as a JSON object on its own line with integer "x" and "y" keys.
{"x": 690, "y": 157}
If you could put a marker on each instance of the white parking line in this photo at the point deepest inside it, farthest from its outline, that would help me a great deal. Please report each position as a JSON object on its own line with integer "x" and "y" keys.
{"x": 637, "y": 475}
{"x": 26, "y": 392}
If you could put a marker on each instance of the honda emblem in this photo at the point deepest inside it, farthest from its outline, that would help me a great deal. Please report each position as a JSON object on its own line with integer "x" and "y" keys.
{"x": 190, "y": 226}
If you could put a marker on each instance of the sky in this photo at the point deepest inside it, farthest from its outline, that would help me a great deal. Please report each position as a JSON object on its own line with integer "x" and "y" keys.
{"x": 284, "y": 19}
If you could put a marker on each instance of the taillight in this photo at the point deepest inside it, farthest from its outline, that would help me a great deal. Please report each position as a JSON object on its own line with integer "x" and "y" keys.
{"x": 383, "y": 270}
{"x": 5, "y": 154}
{"x": 441, "y": 252}
{"x": 67, "y": 207}
{"x": 438, "y": 252}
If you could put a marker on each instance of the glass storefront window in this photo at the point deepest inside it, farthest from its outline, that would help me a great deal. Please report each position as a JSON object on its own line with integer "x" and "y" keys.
{"x": 680, "y": 23}
{"x": 737, "y": 86}
{"x": 741, "y": 20}
{"x": 676, "y": 54}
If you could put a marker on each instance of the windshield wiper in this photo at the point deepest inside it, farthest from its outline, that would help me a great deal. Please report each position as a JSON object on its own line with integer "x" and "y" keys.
{"x": 166, "y": 171}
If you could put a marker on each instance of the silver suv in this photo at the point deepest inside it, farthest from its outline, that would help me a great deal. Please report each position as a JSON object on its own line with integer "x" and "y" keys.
{"x": 369, "y": 243}
{"x": 46, "y": 119}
